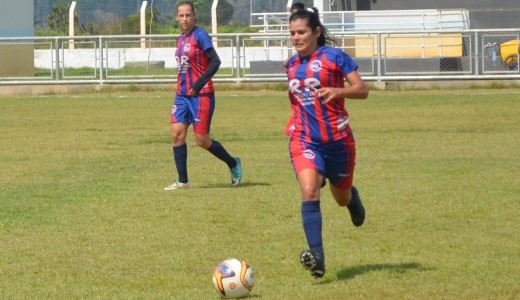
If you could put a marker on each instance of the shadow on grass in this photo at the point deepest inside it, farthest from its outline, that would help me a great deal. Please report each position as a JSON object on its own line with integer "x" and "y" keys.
{"x": 229, "y": 186}
{"x": 351, "y": 273}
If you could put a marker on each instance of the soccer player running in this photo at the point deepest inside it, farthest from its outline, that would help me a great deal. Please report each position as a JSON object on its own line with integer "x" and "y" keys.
{"x": 321, "y": 143}
{"x": 194, "y": 102}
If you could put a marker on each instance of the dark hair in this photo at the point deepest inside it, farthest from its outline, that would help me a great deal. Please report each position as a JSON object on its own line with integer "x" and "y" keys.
{"x": 181, "y": 3}
{"x": 313, "y": 21}
{"x": 297, "y": 6}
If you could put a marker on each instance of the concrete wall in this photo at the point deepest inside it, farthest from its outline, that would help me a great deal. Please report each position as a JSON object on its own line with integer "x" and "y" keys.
{"x": 484, "y": 14}
{"x": 16, "y": 20}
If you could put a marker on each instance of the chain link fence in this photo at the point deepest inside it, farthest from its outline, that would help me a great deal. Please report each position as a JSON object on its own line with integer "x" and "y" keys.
{"x": 469, "y": 54}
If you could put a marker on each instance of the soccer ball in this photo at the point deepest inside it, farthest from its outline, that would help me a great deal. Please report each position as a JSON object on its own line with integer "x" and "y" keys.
{"x": 233, "y": 278}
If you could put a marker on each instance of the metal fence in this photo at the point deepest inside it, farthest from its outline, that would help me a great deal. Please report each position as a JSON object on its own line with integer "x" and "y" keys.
{"x": 382, "y": 56}
{"x": 372, "y": 20}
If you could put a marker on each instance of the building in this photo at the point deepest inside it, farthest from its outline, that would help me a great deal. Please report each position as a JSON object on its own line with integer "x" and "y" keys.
{"x": 483, "y": 14}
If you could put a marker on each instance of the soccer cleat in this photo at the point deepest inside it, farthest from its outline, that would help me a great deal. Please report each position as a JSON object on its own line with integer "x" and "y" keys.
{"x": 236, "y": 173}
{"x": 177, "y": 186}
{"x": 356, "y": 209}
{"x": 313, "y": 262}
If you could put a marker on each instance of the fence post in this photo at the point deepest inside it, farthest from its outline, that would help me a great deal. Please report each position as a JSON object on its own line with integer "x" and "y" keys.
{"x": 238, "y": 56}
{"x": 57, "y": 58}
{"x": 476, "y": 53}
{"x": 72, "y": 11}
{"x": 379, "y": 57}
{"x": 214, "y": 20}
{"x": 101, "y": 65}
{"x": 143, "y": 24}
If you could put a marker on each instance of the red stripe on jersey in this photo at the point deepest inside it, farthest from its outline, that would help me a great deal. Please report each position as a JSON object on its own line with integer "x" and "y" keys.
{"x": 192, "y": 61}
{"x": 315, "y": 121}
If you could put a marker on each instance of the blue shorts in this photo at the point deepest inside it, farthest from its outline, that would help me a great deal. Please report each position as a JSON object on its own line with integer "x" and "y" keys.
{"x": 335, "y": 161}
{"x": 197, "y": 110}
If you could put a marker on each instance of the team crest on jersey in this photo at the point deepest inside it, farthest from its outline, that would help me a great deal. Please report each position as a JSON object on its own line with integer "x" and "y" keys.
{"x": 309, "y": 154}
{"x": 315, "y": 65}
{"x": 187, "y": 47}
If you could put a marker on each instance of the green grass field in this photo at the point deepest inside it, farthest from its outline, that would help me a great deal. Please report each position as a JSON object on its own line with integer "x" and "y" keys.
{"x": 83, "y": 214}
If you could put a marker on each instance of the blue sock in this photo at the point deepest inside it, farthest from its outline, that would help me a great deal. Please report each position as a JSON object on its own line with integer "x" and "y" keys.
{"x": 312, "y": 224}
{"x": 180, "y": 156}
{"x": 220, "y": 152}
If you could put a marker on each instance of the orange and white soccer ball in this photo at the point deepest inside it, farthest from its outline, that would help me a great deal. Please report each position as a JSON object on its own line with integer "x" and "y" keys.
{"x": 233, "y": 278}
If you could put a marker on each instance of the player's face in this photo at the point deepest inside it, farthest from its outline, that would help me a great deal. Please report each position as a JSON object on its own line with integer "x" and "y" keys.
{"x": 186, "y": 18}
{"x": 304, "y": 40}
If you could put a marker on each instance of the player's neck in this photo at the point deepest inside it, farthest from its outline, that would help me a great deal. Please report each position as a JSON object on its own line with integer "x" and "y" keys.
{"x": 309, "y": 51}
{"x": 187, "y": 31}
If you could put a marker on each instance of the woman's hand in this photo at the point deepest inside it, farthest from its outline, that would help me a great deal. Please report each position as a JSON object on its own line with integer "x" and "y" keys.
{"x": 356, "y": 90}
{"x": 328, "y": 93}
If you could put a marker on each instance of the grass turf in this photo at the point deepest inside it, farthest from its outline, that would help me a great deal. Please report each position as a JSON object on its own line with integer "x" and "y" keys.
{"x": 83, "y": 213}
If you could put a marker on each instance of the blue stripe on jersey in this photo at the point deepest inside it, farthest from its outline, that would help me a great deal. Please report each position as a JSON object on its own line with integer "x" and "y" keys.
{"x": 315, "y": 121}
{"x": 192, "y": 61}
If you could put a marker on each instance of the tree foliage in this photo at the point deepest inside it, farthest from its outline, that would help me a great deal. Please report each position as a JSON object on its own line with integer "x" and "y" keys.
{"x": 58, "y": 18}
{"x": 95, "y": 19}
{"x": 132, "y": 24}
{"x": 224, "y": 11}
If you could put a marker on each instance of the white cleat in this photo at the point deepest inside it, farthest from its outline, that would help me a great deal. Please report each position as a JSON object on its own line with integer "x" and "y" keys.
{"x": 177, "y": 186}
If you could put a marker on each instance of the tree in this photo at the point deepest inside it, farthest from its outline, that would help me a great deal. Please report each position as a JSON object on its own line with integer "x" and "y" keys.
{"x": 58, "y": 18}
{"x": 102, "y": 22}
{"x": 132, "y": 24}
{"x": 224, "y": 11}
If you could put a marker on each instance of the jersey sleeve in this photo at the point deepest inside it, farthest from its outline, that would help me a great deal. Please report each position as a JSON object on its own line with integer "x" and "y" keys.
{"x": 345, "y": 63}
{"x": 204, "y": 40}
{"x": 288, "y": 63}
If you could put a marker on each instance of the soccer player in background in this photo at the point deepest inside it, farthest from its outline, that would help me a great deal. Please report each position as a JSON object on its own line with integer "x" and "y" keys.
{"x": 296, "y": 7}
{"x": 321, "y": 142}
{"x": 194, "y": 102}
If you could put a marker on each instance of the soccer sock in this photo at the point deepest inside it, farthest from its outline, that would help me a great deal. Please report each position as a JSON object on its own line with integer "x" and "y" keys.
{"x": 180, "y": 155}
{"x": 355, "y": 201}
{"x": 219, "y": 151}
{"x": 312, "y": 224}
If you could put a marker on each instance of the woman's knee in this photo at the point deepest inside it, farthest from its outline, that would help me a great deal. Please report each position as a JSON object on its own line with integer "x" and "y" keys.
{"x": 310, "y": 191}
{"x": 203, "y": 140}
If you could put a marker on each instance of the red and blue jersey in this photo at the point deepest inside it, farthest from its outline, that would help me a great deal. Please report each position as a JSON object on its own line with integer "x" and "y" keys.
{"x": 313, "y": 120}
{"x": 192, "y": 61}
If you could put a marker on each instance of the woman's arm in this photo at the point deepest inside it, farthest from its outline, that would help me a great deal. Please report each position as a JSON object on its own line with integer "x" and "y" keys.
{"x": 356, "y": 89}
{"x": 214, "y": 64}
